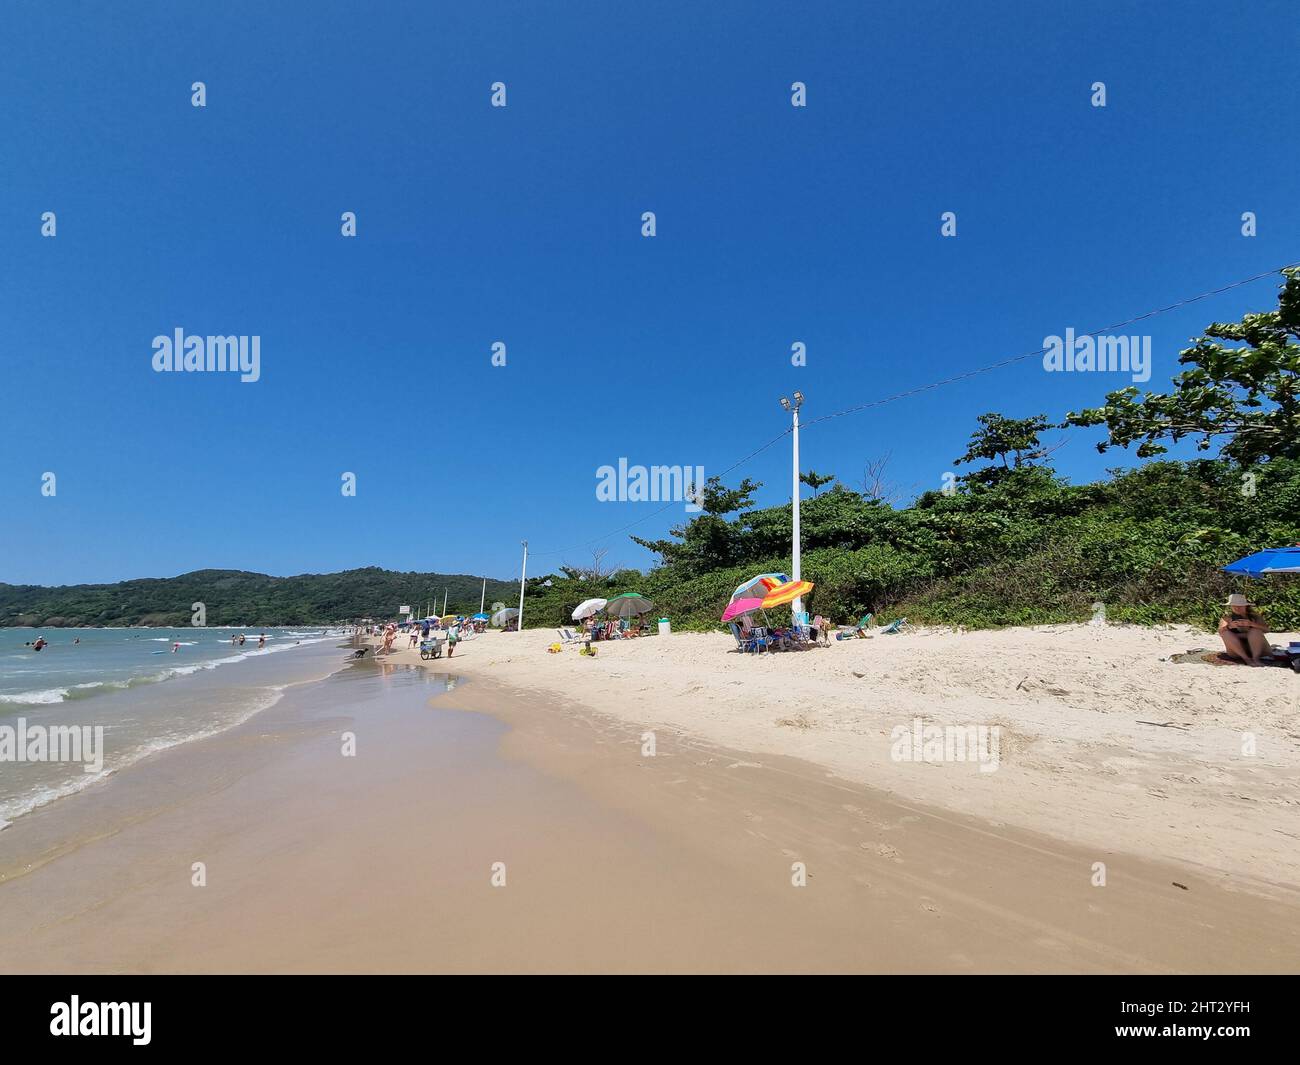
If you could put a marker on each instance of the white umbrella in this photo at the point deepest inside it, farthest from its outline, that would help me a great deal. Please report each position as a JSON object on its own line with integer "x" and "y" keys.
{"x": 588, "y": 607}
{"x": 502, "y": 616}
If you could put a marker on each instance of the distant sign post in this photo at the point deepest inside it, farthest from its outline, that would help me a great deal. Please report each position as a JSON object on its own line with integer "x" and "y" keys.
{"x": 404, "y": 610}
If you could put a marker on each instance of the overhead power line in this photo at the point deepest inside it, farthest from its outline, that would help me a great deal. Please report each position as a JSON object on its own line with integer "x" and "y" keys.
{"x": 965, "y": 375}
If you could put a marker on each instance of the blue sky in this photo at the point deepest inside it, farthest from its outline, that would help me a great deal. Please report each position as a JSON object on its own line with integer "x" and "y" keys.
{"x": 522, "y": 224}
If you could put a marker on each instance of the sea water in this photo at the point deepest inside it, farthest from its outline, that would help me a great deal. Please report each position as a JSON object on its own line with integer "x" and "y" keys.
{"x": 144, "y": 701}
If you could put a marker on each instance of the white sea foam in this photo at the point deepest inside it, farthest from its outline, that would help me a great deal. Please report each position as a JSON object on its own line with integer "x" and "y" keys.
{"x": 41, "y": 795}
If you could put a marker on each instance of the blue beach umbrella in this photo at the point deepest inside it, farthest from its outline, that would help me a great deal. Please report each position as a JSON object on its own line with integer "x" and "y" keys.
{"x": 1262, "y": 563}
{"x": 482, "y": 617}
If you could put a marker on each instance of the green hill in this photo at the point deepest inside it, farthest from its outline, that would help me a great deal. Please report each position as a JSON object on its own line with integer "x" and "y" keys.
{"x": 235, "y": 597}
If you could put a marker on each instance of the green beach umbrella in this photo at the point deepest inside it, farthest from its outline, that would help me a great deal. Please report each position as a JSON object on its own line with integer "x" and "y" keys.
{"x": 628, "y": 605}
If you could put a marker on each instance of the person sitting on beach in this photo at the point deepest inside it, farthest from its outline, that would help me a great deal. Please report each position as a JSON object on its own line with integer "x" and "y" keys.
{"x": 1243, "y": 631}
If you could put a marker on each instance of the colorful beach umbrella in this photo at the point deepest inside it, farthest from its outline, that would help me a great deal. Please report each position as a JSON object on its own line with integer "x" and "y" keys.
{"x": 588, "y": 607}
{"x": 1262, "y": 563}
{"x": 787, "y": 593}
{"x": 741, "y": 606}
{"x": 629, "y": 604}
{"x": 757, "y": 587}
{"x": 481, "y": 617}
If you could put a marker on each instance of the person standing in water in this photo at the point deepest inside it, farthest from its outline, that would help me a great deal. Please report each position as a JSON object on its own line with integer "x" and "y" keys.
{"x": 261, "y": 641}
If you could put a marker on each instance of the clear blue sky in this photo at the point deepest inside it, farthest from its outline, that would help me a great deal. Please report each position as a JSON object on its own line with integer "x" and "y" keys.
{"x": 478, "y": 224}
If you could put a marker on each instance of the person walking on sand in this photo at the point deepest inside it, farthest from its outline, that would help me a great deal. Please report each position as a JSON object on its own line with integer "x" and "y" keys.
{"x": 1243, "y": 631}
{"x": 453, "y": 634}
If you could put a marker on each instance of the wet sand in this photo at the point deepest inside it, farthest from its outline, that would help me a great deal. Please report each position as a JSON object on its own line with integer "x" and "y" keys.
{"x": 614, "y": 861}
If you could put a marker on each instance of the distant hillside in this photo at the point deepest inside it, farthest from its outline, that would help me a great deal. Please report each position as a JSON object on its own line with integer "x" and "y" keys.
{"x": 234, "y": 597}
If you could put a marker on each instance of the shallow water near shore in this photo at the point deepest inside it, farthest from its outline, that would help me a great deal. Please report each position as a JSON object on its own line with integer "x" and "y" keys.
{"x": 140, "y": 702}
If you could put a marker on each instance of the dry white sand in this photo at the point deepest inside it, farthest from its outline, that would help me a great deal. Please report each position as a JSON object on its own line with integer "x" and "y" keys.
{"x": 1103, "y": 742}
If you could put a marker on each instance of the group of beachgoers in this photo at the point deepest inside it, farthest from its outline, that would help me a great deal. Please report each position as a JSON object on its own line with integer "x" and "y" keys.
{"x": 429, "y": 628}
{"x": 237, "y": 640}
{"x": 613, "y": 629}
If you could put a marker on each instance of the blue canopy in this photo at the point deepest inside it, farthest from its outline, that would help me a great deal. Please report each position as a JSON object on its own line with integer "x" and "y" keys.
{"x": 482, "y": 617}
{"x": 1262, "y": 563}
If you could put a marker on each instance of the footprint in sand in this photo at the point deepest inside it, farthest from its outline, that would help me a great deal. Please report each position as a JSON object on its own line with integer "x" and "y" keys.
{"x": 884, "y": 850}
{"x": 930, "y": 906}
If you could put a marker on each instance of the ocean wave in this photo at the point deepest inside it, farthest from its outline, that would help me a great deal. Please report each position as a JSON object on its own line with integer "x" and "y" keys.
{"x": 49, "y": 696}
{"x": 16, "y": 806}
{"x": 61, "y": 695}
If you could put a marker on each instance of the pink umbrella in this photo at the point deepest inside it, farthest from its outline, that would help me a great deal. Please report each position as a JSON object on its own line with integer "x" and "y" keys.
{"x": 741, "y": 606}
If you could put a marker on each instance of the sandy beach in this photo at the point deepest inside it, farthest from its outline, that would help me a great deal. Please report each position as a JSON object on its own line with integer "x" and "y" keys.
{"x": 1104, "y": 742}
{"x": 501, "y": 812}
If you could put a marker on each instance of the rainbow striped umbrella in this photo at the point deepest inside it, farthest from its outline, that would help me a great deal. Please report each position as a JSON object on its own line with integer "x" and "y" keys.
{"x": 786, "y": 593}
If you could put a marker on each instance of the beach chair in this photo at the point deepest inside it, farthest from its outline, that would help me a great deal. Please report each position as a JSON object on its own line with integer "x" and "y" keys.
{"x": 894, "y": 627}
{"x": 850, "y": 632}
{"x": 568, "y": 637}
{"x": 748, "y": 645}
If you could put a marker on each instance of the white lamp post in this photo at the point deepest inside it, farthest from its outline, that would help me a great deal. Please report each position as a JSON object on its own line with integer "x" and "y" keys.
{"x": 793, "y": 408}
{"x": 522, "y": 571}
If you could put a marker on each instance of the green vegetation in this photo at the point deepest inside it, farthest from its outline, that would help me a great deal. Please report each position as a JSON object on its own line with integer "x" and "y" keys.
{"x": 233, "y": 597}
{"x": 1010, "y": 542}
{"x": 1007, "y": 543}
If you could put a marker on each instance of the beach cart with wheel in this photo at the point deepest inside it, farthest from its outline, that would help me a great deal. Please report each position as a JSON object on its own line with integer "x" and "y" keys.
{"x": 430, "y": 649}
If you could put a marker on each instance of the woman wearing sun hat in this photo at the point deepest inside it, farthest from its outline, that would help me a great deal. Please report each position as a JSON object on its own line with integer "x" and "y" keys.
{"x": 1243, "y": 631}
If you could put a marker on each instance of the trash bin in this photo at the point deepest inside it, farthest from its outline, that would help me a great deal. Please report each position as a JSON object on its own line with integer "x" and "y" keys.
{"x": 664, "y": 627}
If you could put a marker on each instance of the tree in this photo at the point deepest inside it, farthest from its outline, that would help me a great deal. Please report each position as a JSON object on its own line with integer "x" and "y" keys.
{"x": 597, "y": 571}
{"x": 816, "y": 481}
{"x": 1249, "y": 394}
{"x": 1011, "y": 441}
{"x": 708, "y": 541}
{"x": 874, "y": 483}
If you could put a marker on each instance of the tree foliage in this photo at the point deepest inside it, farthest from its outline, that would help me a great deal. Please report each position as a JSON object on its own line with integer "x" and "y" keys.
{"x": 1242, "y": 390}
